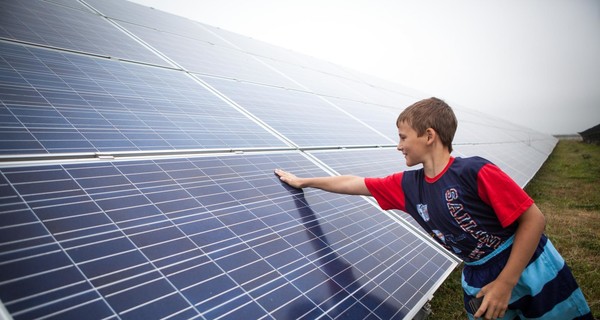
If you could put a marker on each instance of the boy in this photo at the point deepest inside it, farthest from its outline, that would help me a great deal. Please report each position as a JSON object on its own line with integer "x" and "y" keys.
{"x": 475, "y": 210}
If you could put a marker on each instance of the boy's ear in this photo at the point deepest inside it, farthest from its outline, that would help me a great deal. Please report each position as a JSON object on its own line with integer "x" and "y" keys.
{"x": 430, "y": 133}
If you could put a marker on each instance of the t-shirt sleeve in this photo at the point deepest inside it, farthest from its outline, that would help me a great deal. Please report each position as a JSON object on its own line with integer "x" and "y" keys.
{"x": 502, "y": 193}
{"x": 387, "y": 191}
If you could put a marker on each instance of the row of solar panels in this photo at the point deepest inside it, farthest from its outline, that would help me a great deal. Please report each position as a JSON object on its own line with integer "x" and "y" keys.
{"x": 121, "y": 195}
{"x": 55, "y": 102}
{"x": 157, "y": 108}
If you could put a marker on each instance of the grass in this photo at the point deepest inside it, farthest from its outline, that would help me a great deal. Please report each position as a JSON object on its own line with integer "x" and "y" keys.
{"x": 566, "y": 189}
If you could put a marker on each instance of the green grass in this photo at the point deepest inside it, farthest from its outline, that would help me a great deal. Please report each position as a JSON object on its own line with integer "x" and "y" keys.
{"x": 567, "y": 190}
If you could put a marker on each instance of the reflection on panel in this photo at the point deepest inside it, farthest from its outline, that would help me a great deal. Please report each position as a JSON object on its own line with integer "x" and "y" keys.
{"x": 216, "y": 236}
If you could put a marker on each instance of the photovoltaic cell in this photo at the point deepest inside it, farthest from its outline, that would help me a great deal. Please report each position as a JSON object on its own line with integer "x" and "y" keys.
{"x": 79, "y": 29}
{"x": 59, "y": 102}
{"x": 304, "y": 118}
{"x": 211, "y": 237}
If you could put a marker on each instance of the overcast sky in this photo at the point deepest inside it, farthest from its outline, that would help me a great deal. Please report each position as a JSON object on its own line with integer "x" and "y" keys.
{"x": 534, "y": 62}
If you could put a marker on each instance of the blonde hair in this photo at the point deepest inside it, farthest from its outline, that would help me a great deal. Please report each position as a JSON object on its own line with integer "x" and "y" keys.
{"x": 431, "y": 113}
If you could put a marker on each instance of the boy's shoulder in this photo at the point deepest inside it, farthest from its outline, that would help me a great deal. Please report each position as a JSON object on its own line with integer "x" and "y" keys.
{"x": 470, "y": 163}
{"x": 468, "y": 168}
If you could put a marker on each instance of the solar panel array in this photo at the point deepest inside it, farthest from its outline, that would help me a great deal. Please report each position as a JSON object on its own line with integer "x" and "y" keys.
{"x": 137, "y": 151}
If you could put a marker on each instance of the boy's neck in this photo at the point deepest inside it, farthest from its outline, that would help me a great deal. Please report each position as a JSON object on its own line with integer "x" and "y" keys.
{"x": 436, "y": 164}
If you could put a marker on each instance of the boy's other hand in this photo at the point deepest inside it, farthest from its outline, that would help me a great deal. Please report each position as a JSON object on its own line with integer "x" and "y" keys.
{"x": 496, "y": 296}
{"x": 288, "y": 178}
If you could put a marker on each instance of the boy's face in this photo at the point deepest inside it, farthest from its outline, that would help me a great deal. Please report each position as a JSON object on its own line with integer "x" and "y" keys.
{"x": 411, "y": 145}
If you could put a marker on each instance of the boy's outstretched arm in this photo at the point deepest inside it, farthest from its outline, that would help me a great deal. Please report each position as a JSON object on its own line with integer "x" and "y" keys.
{"x": 497, "y": 293}
{"x": 338, "y": 184}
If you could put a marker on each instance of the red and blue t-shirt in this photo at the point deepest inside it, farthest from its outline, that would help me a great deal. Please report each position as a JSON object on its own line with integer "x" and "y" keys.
{"x": 470, "y": 207}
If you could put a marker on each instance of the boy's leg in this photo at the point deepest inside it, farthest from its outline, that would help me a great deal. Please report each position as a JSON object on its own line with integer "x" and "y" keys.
{"x": 546, "y": 289}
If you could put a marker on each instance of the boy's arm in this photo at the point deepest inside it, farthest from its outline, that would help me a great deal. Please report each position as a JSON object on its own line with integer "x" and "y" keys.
{"x": 497, "y": 293}
{"x": 338, "y": 184}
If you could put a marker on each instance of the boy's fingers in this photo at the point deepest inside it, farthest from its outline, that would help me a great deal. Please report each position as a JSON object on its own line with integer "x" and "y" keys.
{"x": 479, "y": 312}
{"x": 482, "y": 310}
{"x": 282, "y": 174}
{"x": 279, "y": 172}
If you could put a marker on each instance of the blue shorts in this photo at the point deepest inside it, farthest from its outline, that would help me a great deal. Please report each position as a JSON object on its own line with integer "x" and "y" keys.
{"x": 546, "y": 289}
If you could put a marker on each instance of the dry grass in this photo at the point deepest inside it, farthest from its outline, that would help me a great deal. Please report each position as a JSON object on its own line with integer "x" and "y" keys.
{"x": 566, "y": 189}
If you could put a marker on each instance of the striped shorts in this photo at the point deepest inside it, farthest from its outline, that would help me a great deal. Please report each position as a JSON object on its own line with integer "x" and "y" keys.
{"x": 546, "y": 289}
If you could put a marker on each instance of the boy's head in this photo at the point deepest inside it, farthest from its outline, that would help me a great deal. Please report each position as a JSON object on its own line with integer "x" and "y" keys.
{"x": 431, "y": 113}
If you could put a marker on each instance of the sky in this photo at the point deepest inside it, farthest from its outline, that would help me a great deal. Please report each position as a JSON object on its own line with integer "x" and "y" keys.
{"x": 535, "y": 63}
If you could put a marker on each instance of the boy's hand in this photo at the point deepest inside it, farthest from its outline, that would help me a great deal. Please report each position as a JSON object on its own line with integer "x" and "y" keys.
{"x": 496, "y": 296}
{"x": 288, "y": 178}
{"x": 337, "y": 184}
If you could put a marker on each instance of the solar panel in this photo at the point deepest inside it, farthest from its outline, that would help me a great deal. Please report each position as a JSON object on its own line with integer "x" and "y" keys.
{"x": 304, "y": 118}
{"x": 210, "y": 236}
{"x": 78, "y": 29}
{"x": 81, "y": 104}
{"x": 137, "y": 151}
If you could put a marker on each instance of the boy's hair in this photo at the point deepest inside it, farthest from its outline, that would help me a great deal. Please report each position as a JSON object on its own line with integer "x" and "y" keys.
{"x": 431, "y": 113}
